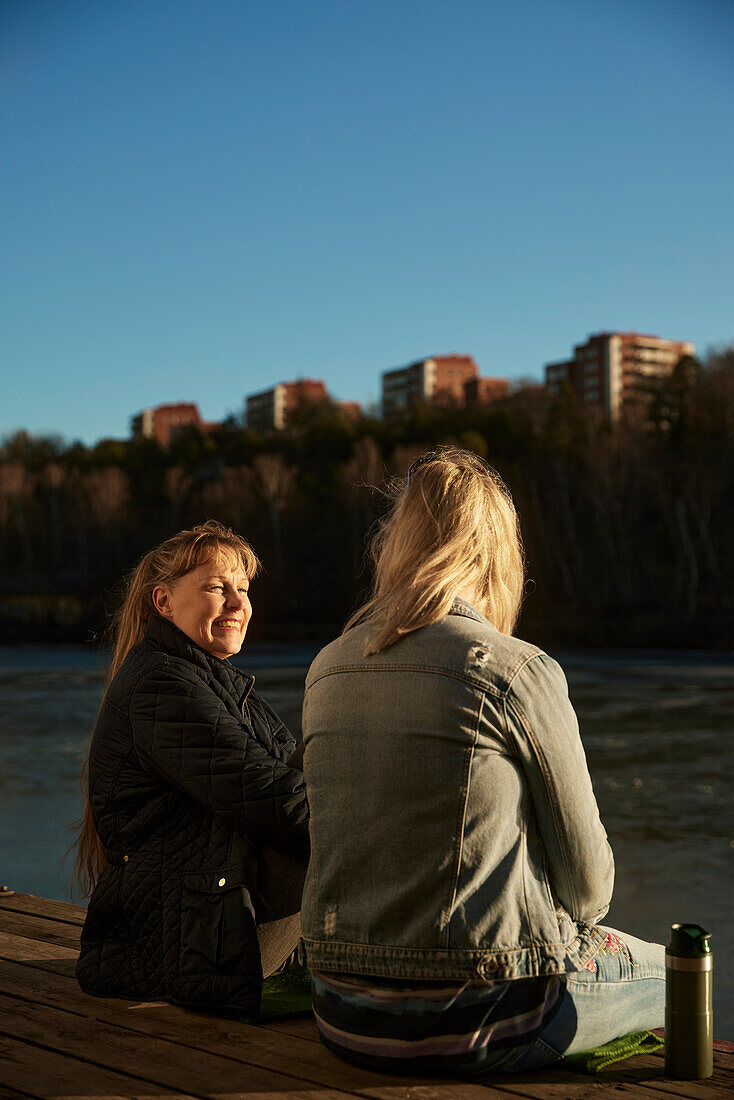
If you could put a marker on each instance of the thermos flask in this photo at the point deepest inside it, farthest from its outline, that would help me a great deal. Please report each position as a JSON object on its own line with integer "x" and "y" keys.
{"x": 689, "y": 1040}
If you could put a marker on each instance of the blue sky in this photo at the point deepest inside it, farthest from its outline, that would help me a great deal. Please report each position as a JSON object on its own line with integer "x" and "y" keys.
{"x": 200, "y": 199}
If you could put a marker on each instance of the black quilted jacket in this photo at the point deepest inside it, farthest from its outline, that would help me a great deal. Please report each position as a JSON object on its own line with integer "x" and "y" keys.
{"x": 188, "y": 781}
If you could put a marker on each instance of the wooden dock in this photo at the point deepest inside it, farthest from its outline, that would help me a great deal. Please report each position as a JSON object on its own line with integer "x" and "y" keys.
{"x": 57, "y": 1042}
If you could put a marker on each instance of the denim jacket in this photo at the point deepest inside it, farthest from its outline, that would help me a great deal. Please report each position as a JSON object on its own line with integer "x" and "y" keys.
{"x": 454, "y": 828}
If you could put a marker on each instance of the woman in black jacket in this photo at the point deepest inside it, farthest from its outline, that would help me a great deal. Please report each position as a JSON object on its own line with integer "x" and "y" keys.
{"x": 195, "y": 835}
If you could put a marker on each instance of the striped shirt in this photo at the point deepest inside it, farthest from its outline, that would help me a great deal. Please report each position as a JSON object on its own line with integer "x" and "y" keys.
{"x": 430, "y": 1027}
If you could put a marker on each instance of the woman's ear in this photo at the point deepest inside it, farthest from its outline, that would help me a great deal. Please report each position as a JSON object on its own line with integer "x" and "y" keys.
{"x": 162, "y": 601}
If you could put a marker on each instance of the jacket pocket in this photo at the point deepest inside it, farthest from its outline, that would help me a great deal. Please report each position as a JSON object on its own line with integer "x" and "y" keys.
{"x": 217, "y": 923}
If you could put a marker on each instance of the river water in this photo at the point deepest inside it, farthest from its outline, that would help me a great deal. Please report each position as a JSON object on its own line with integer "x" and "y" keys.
{"x": 657, "y": 728}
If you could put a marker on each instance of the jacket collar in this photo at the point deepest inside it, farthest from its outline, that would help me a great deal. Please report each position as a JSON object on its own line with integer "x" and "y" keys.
{"x": 461, "y": 607}
{"x": 165, "y": 636}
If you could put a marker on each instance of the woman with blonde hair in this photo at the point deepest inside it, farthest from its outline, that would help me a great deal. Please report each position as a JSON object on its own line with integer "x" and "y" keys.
{"x": 191, "y": 799}
{"x": 459, "y": 867}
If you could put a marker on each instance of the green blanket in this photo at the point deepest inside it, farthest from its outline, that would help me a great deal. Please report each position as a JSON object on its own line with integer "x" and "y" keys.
{"x": 286, "y": 994}
{"x": 592, "y": 1061}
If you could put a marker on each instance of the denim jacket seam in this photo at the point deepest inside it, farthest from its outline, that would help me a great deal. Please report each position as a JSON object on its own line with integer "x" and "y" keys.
{"x": 515, "y": 672}
{"x": 523, "y": 824}
{"x": 515, "y": 704}
{"x": 546, "y": 881}
{"x": 437, "y": 670}
{"x": 340, "y": 953}
{"x": 522, "y": 949}
{"x": 462, "y": 822}
{"x": 523, "y": 868}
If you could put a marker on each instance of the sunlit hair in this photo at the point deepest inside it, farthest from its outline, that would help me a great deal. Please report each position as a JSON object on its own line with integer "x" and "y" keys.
{"x": 165, "y": 564}
{"x": 452, "y": 528}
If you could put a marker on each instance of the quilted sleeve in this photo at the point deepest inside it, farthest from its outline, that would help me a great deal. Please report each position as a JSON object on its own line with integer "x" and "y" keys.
{"x": 284, "y": 743}
{"x": 184, "y": 734}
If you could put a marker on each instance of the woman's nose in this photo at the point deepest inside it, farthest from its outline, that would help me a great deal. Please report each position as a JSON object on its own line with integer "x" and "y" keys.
{"x": 235, "y": 599}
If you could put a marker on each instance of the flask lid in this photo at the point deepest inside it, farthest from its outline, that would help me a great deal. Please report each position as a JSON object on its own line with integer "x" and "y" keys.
{"x": 689, "y": 940}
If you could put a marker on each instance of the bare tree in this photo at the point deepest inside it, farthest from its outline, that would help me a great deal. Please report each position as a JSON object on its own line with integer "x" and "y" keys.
{"x": 177, "y": 485}
{"x": 16, "y": 489}
{"x": 276, "y": 482}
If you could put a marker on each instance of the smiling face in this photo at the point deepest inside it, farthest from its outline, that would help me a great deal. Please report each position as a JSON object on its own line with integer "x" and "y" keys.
{"x": 210, "y": 605}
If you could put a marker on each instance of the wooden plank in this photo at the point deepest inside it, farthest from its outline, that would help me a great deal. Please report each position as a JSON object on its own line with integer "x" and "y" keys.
{"x": 557, "y": 1082}
{"x": 31, "y": 926}
{"x": 19, "y": 948}
{"x": 244, "y": 1042}
{"x": 171, "y": 1066}
{"x": 277, "y": 1043}
{"x": 280, "y": 1041}
{"x": 540, "y": 1085}
{"x": 303, "y": 1028}
{"x": 210, "y": 1036}
{"x": 45, "y": 1075}
{"x": 277, "y": 1047}
{"x": 642, "y": 1075}
{"x": 638, "y": 1076}
{"x": 46, "y": 907}
{"x": 40, "y": 928}
{"x": 454, "y": 1089}
{"x": 652, "y": 1075}
{"x": 547, "y": 1084}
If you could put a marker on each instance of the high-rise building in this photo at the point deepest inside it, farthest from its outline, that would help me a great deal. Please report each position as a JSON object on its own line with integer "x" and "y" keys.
{"x": 616, "y": 372}
{"x": 277, "y": 407}
{"x": 164, "y": 422}
{"x": 438, "y": 381}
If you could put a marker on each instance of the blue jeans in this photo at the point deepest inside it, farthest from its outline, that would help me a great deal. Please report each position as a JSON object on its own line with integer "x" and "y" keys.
{"x": 624, "y": 992}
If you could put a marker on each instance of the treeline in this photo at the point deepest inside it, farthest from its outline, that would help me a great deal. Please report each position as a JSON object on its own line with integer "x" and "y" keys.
{"x": 628, "y": 531}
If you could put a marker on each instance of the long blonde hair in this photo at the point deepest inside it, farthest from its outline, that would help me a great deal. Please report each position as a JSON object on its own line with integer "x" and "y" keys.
{"x": 165, "y": 564}
{"x": 452, "y": 528}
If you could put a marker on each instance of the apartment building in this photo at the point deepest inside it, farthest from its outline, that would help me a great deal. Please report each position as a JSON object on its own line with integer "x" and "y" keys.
{"x": 438, "y": 381}
{"x": 277, "y": 407}
{"x": 163, "y": 422}
{"x": 617, "y": 371}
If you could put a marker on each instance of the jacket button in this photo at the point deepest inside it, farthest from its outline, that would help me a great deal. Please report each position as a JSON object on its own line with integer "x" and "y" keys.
{"x": 222, "y": 881}
{"x": 125, "y": 859}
